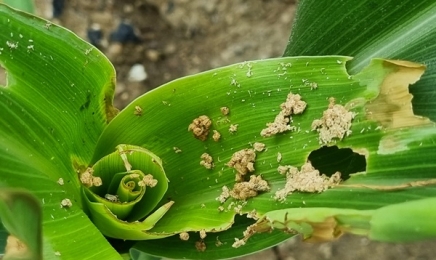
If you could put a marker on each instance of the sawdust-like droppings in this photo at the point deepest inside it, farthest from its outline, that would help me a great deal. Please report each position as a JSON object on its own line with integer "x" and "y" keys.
{"x": 206, "y": 161}
{"x": 248, "y": 189}
{"x": 87, "y": 178}
{"x": 216, "y": 135}
{"x": 308, "y": 179}
{"x": 184, "y": 236}
{"x": 147, "y": 180}
{"x": 238, "y": 243}
{"x": 225, "y": 194}
{"x": 200, "y": 127}
{"x": 243, "y": 162}
{"x": 259, "y": 147}
{"x": 335, "y": 123}
{"x": 203, "y": 234}
{"x": 292, "y": 105}
{"x": 233, "y": 128}
{"x": 200, "y": 246}
{"x": 66, "y": 203}
{"x": 225, "y": 111}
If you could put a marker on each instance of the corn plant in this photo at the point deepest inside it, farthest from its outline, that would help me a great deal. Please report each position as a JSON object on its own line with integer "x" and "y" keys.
{"x": 335, "y": 137}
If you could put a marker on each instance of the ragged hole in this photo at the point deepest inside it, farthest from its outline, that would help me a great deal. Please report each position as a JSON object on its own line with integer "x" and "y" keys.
{"x": 329, "y": 160}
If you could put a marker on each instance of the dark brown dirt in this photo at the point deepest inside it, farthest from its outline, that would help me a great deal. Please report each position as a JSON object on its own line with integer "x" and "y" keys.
{"x": 183, "y": 37}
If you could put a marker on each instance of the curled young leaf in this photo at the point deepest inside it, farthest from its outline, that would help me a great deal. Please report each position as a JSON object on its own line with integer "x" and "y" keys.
{"x": 121, "y": 191}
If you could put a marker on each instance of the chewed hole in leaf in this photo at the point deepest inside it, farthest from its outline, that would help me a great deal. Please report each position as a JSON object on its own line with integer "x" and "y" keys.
{"x": 331, "y": 159}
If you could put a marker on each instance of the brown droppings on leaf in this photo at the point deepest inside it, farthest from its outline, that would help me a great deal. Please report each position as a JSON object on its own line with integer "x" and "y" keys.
{"x": 138, "y": 111}
{"x": 259, "y": 147}
{"x": 335, "y": 123}
{"x": 238, "y": 209}
{"x": 96, "y": 181}
{"x": 218, "y": 242}
{"x": 308, "y": 179}
{"x": 66, "y": 203}
{"x": 225, "y": 194}
{"x": 238, "y": 242}
{"x": 225, "y": 111}
{"x": 203, "y": 234}
{"x": 233, "y": 128}
{"x": 216, "y": 135}
{"x": 292, "y": 105}
{"x": 200, "y": 127}
{"x": 243, "y": 162}
{"x": 200, "y": 246}
{"x": 206, "y": 161}
{"x": 283, "y": 169}
{"x": 261, "y": 226}
{"x": 87, "y": 178}
{"x": 248, "y": 189}
{"x": 279, "y": 157}
{"x": 184, "y": 236}
{"x": 147, "y": 180}
{"x": 253, "y": 214}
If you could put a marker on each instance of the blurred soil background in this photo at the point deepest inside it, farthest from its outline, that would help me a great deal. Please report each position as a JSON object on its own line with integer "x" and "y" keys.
{"x": 167, "y": 39}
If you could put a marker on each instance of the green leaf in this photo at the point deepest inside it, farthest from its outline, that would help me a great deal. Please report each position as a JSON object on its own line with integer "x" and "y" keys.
{"x": 20, "y": 213}
{"x": 55, "y": 105}
{"x": 253, "y": 91}
{"x": 124, "y": 195}
{"x": 366, "y": 29}
{"x": 56, "y": 125}
{"x": 213, "y": 246}
{"x": 415, "y": 217}
{"x": 23, "y": 5}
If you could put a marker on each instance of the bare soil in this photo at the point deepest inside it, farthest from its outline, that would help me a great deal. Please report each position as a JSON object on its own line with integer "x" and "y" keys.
{"x": 183, "y": 37}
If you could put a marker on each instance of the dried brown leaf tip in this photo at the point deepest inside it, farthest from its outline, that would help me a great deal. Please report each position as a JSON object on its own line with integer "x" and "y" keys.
{"x": 292, "y": 105}
{"x": 200, "y": 127}
{"x": 243, "y": 162}
{"x": 248, "y": 189}
{"x": 206, "y": 161}
{"x": 335, "y": 123}
{"x": 308, "y": 179}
